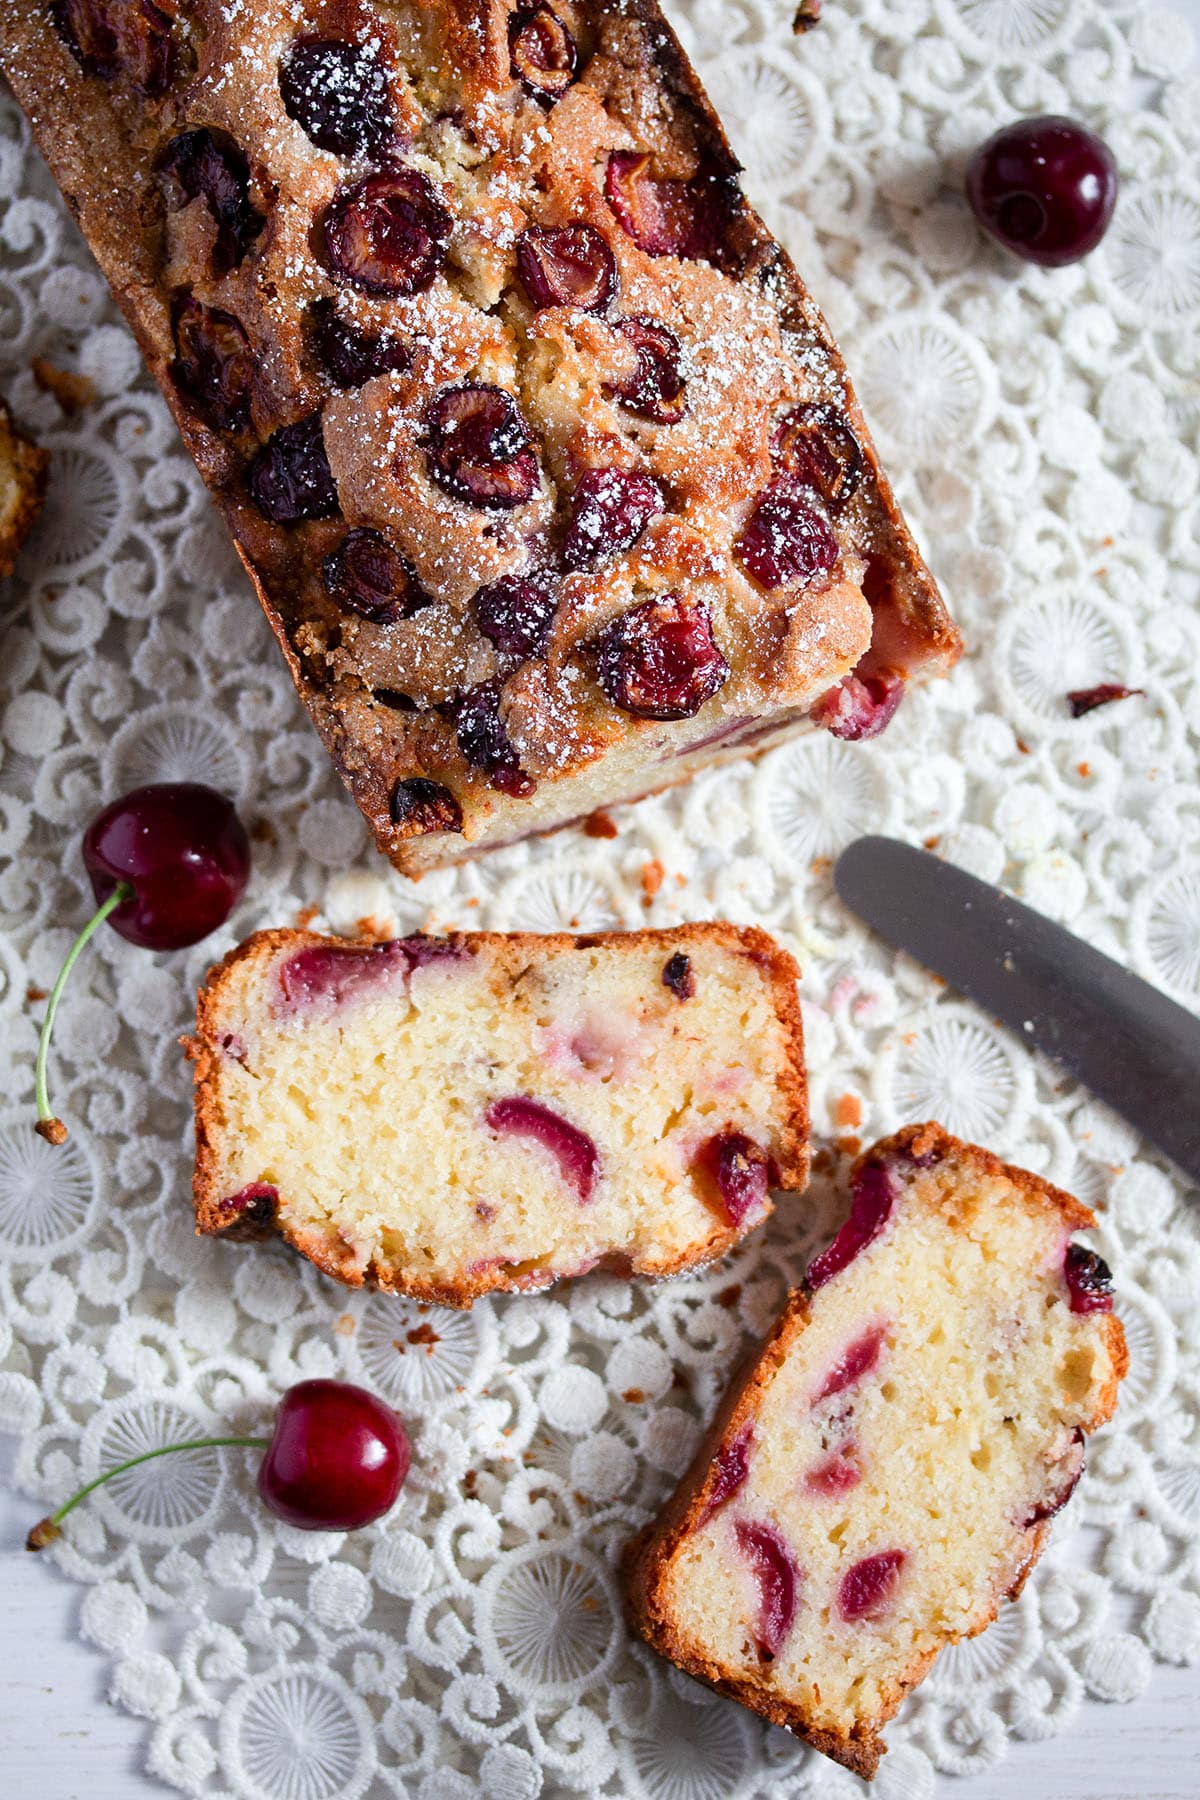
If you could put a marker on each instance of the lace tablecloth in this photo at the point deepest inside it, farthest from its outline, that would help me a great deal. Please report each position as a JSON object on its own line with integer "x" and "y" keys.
{"x": 1043, "y": 426}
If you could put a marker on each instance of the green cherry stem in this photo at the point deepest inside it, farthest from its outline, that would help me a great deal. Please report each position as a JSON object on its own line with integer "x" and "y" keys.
{"x": 49, "y": 1528}
{"x": 49, "y": 1127}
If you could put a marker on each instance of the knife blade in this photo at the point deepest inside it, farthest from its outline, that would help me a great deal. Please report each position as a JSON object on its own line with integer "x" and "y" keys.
{"x": 1122, "y": 1038}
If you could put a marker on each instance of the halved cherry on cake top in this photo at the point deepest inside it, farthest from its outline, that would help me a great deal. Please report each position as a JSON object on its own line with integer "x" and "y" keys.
{"x": 660, "y": 659}
{"x": 484, "y": 742}
{"x": 610, "y": 509}
{"x": 350, "y": 355}
{"x": 815, "y": 445}
{"x": 388, "y": 234}
{"x": 214, "y": 364}
{"x": 290, "y": 479}
{"x": 368, "y": 576}
{"x": 655, "y": 388}
{"x": 337, "y": 92}
{"x": 786, "y": 540}
{"x": 113, "y": 38}
{"x": 479, "y": 447}
{"x": 567, "y": 265}
{"x": 212, "y": 166}
{"x": 516, "y": 613}
{"x": 543, "y": 53}
{"x": 666, "y": 216}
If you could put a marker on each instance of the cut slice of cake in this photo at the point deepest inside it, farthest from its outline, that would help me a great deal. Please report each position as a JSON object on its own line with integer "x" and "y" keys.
{"x": 446, "y": 1116}
{"x": 885, "y": 1473}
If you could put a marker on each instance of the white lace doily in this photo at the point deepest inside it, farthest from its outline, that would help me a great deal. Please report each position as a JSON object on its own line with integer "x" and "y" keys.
{"x": 1043, "y": 427}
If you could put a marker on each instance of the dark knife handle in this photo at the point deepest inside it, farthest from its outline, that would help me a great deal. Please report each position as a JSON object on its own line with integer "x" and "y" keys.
{"x": 1124, "y": 1039}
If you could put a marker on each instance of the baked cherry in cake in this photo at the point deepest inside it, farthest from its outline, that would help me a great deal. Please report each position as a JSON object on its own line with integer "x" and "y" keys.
{"x": 886, "y": 1472}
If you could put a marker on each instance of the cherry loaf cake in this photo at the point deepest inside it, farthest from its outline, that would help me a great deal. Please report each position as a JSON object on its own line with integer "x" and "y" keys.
{"x": 544, "y": 464}
{"x": 886, "y": 1472}
{"x": 23, "y": 471}
{"x": 446, "y": 1116}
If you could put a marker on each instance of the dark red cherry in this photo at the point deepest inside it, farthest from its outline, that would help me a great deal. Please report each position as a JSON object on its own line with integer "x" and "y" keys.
{"x": 816, "y": 446}
{"x": 1086, "y": 700}
{"x": 337, "y": 1458}
{"x": 660, "y": 660}
{"x": 778, "y": 1578}
{"x": 857, "y": 1360}
{"x": 667, "y": 217}
{"x": 542, "y": 52}
{"x": 484, "y": 742}
{"x": 209, "y": 165}
{"x": 567, "y": 265}
{"x": 290, "y": 478}
{"x": 388, "y": 233}
{"x": 741, "y": 1172}
{"x": 860, "y": 706}
{"x": 516, "y": 614}
{"x": 182, "y": 849}
{"x": 1064, "y": 1477}
{"x": 479, "y": 447}
{"x": 214, "y": 364}
{"x": 1045, "y": 188}
{"x": 350, "y": 356}
{"x": 786, "y": 541}
{"x": 368, "y": 576}
{"x": 338, "y": 95}
{"x": 572, "y": 1149}
{"x": 655, "y": 389}
{"x": 868, "y": 1588}
{"x": 420, "y": 806}
{"x": 872, "y": 1199}
{"x": 730, "y": 1467}
{"x": 109, "y": 38}
{"x": 679, "y": 976}
{"x": 610, "y": 509}
{"x": 1089, "y": 1280}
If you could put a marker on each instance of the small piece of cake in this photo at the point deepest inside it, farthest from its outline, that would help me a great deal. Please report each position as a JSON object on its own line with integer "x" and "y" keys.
{"x": 23, "y": 468}
{"x": 446, "y": 1116}
{"x": 886, "y": 1472}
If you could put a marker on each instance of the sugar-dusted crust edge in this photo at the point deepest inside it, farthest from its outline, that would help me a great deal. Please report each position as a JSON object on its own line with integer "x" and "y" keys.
{"x": 648, "y": 1556}
{"x": 776, "y": 966}
{"x": 30, "y": 466}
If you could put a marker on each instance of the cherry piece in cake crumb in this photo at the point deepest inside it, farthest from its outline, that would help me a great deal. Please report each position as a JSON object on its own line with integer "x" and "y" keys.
{"x": 731, "y": 1466}
{"x": 567, "y": 265}
{"x": 778, "y": 1578}
{"x": 214, "y": 364}
{"x": 655, "y": 389}
{"x": 337, "y": 93}
{"x": 516, "y": 613}
{"x": 368, "y": 576}
{"x": 1086, "y": 700}
{"x": 857, "y": 1360}
{"x": 388, "y": 233}
{"x": 741, "y": 1172}
{"x": 258, "y": 1200}
{"x": 420, "y": 806}
{"x": 543, "y": 53}
{"x": 573, "y": 1150}
{"x": 210, "y": 165}
{"x": 484, "y": 741}
{"x": 350, "y": 356}
{"x": 610, "y": 509}
{"x": 1089, "y": 1280}
{"x": 660, "y": 659}
{"x": 871, "y": 1203}
{"x": 290, "y": 479}
{"x": 786, "y": 541}
{"x": 112, "y": 38}
{"x": 868, "y": 1588}
{"x": 1065, "y": 1475}
{"x": 479, "y": 447}
{"x": 816, "y": 446}
{"x": 679, "y": 975}
{"x": 860, "y": 706}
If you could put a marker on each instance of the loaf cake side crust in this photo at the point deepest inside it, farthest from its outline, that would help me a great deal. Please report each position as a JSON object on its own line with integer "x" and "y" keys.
{"x": 590, "y": 1027}
{"x": 24, "y": 469}
{"x": 652, "y": 1556}
{"x": 449, "y": 743}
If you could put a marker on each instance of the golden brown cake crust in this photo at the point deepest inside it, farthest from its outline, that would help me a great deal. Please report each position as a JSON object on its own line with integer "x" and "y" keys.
{"x": 780, "y": 974}
{"x": 24, "y": 468}
{"x": 636, "y": 92}
{"x": 648, "y": 1556}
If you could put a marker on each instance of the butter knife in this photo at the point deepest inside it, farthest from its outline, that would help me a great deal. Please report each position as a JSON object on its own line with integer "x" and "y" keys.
{"x": 1132, "y": 1046}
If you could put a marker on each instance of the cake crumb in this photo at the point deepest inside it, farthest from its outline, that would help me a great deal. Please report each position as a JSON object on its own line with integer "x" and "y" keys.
{"x": 599, "y": 825}
{"x": 652, "y": 877}
{"x": 847, "y": 1111}
{"x": 849, "y": 1145}
{"x": 634, "y": 1396}
{"x": 345, "y": 1325}
{"x": 34, "y": 994}
{"x": 73, "y": 392}
{"x": 931, "y": 843}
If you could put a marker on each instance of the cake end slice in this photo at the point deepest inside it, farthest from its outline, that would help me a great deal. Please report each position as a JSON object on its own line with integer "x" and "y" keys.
{"x": 884, "y": 1474}
{"x": 444, "y": 1117}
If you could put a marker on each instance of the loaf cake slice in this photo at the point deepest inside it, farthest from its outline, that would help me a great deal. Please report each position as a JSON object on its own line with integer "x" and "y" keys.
{"x": 447, "y": 1116}
{"x": 885, "y": 1473}
{"x": 543, "y": 463}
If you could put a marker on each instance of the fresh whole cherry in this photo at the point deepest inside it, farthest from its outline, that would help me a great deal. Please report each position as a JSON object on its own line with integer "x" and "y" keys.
{"x": 1045, "y": 188}
{"x": 335, "y": 1461}
{"x": 167, "y": 863}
